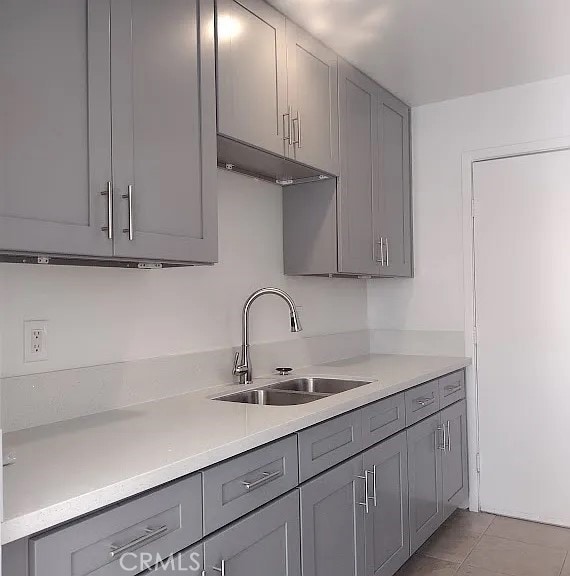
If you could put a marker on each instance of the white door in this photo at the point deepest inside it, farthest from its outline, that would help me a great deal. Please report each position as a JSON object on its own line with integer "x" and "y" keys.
{"x": 522, "y": 277}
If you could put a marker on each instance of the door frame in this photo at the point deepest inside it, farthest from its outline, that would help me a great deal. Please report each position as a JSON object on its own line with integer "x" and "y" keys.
{"x": 469, "y": 158}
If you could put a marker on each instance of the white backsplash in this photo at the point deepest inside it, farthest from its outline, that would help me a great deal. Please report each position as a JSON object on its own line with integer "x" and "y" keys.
{"x": 37, "y": 399}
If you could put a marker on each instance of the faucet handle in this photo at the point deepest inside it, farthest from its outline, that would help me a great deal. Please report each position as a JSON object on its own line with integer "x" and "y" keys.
{"x": 284, "y": 371}
{"x": 238, "y": 368}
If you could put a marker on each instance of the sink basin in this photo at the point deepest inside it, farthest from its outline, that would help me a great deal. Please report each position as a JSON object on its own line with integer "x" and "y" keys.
{"x": 266, "y": 397}
{"x": 319, "y": 385}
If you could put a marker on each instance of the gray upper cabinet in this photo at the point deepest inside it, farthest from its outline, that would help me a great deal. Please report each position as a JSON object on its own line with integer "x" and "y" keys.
{"x": 252, "y": 74}
{"x": 55, "y": 127}
{"x": 164, "y": 135}
{"x": 387, "y": 522}
{"x": 395, "y": 213}
{"x": 358, "y": 206}
{"x": 425, "y": 442}
{"x": 312, "y": 72}
{"x": 332, "y": 522}
{"x": 455, "y": 473}
{"x": 266, "y": 542}
{"x": 371, "y": 208}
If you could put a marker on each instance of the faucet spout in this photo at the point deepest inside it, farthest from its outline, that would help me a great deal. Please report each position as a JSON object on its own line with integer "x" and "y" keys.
{"x": 242, "y": 365}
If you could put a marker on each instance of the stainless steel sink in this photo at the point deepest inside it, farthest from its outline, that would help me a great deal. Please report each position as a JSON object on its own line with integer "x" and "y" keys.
{"x": 270, "y": 397}
{"x": 319, "y": 385}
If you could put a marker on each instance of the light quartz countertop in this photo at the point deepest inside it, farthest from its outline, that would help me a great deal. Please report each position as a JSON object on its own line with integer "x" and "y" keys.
{"x": 68, "y": 469}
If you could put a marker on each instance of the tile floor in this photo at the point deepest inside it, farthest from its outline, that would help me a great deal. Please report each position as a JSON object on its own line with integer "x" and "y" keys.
{"x": 470, "y": 544}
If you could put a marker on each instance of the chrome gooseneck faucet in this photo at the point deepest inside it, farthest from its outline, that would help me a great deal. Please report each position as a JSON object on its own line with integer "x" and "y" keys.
{"x": 242, "y": 367}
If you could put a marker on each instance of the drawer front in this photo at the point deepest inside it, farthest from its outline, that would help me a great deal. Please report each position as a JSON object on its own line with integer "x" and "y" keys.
{"x": 383, "y": 419}
{"x": 422, "y": 401}
{"x": 452, "y": 388}
{"x": 325, "y": 445}
{"x": 238, "y": 486}
{"x": 156, "y": 525}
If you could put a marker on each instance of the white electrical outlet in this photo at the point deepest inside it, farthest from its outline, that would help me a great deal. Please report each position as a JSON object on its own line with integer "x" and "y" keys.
{"x": 35, "y": 340}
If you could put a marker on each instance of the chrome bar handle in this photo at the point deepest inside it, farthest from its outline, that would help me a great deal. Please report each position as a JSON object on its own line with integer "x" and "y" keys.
{"x": 374, "y": 490}
{"x": 387, "y": 252}
{"x": 300, "y": 144}
{"x": 296, "y": 137}
{"x": 423, "y": 402}
{"x": 448, "y": 435}
{"x": 150, "y": 534}
{"x": 265, "y": 478}
{"x": 366, "y": 503}
{"x": 109, "y": 194}
{"x": 451, "y": 388}
{"x": 287, "y": 115}
{"x": 129, "y": 197}
{"x": 221, "y": 569}
{"x": 381, "y": 251}
{"x": 441, "y": 446}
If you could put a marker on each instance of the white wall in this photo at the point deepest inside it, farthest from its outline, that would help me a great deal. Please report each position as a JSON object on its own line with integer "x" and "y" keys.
{"x": 434, "y": 300}
{"x": 99, "y": 316}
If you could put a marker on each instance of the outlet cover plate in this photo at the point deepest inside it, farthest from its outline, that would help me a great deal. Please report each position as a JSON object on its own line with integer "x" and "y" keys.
{"x": 35, "y": 340}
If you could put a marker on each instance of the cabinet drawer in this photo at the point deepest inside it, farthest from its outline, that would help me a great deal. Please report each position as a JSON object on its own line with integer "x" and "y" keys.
{"x": 188, "y": 562}
{"x": 325, "y": 445}
{"x": 160, "y": 523}
{"x": 452, "y": 388}
{"x": 383, "y": 419}
{"x": 238, "y": 486}
{"x": 422, "y": 401}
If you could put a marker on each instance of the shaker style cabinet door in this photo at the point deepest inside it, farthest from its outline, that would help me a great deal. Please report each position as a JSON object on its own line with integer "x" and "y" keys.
{"x": 164, "y": 130}
{"x": 332, "y": 522}
{"x": 454, "y": 459}
{"x": 252, "y": 74}
{"x": 425, "y": 444}
{"x": 387, "y": 523}
{"x": 395, "y": 188}
{"x": 358, "y": 199}
{"x": 312, "y": 71}
{"x": 55, "y": 127}
{"x": 265, "y": 543}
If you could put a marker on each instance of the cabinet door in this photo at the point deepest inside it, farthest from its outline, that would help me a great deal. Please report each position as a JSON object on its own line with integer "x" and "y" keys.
{"x": 454, "y": 460}
{"x": 164, "y": 131}
{"x": 312, "y": 72}
{"x": 387, "y": 523}
{"x": 358, "y": 199}
{"x": 55, "y": 127}
{"x": 394, "y": 181}
{"x": 332, "y": 522}
{"x": 424, "y": 472}
{"x": 252, "y": 74}
{"x": 267, "y": 542}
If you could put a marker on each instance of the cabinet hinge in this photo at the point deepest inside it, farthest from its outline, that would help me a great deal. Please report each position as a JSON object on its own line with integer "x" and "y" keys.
{"x": 473, "y": 206}
{"x": 475, "y": 335}
{"x": 478, "y": 462}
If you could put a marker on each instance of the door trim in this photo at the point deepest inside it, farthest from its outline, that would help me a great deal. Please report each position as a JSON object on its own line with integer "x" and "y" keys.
{"x": 468, "y": 160}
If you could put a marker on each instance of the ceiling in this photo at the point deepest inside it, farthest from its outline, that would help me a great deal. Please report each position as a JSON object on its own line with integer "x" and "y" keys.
{"x": 431, "y": 50}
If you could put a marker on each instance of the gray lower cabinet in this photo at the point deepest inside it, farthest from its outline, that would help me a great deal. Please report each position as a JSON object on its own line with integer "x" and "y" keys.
{"x": 266, "y": 542}
{"x": 188, "y": 562}
{"x": 312, "y": 81}
{"x": 387, "y": 521}
{"x": 332, "y": 522}
{"x": 425, "y": 444}
{"x": 164, "y": 130}
{"x": 55, "y": 127}
{"x": 455, "y": 472}
{"x": 152, "y": 526}
{"x": 252, "y": 74}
